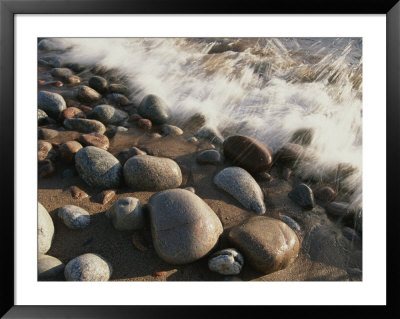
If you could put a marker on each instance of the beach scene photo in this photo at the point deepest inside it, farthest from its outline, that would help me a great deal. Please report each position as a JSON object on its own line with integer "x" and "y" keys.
{"x": 199, "y": 159}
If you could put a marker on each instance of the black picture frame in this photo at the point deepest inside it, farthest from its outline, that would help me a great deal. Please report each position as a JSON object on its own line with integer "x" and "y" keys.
{"x": 391, "y": 8}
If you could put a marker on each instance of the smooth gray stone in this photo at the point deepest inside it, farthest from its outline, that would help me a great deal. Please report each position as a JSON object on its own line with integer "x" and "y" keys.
{"x": 303, "y": 136}
{"x": 154, "y": 108}
{"x": 98, "y": 83}
{"x": 173, "y": 130}
{"x": 85, "y": 125}
{"x": 126, "y": 214}
{"x": 226, "y": 262}
{"x": 242, "y": 186}
{"x": 267, "y": 244}
{"x": 303, "y": 196}
{"x": 61, "y": 72}
{"x": 42, "y": 117}
{"x": 87, "y": 94}
{"x": 88, "y": 267}
{"x": 74, "y": 217}
{"x": 108, "y": 114}
{"x": 291, "y": 223}
{"x": 49, "y": 267}
{"x": 211, "y": 135}
{"x": 48, "y": 45}
{"x": 52, "y": 103}
{"x": 118, "y": 88}
{"x": 45, "y": 230}
{"x": 98, "y": 168}
{"x": 118, "y": 99}
{"x": 184, "y": 228}
{"x": 209, "y": 157}
{"x": 145, "y": 172}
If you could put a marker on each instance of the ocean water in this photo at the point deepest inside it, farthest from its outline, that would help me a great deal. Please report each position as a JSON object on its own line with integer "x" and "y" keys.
{"x": 266, "y": 88}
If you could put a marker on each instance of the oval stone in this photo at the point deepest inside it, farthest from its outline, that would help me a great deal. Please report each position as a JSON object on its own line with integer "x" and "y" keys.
{"x": 242, "y": 186}
{"x": 61, "y": 72}
{"x": 74, "y": 217}
{"x": 209, "y": 157}
{"x": 52, "y": 103}
{"x": 154, "y": 108}
{"x": 184, "y": 228}
{"x": 73, "y": 112}
{"x": 98, "y": 168}
{"x": 268, "y": 244}
{"x": 45, "y": 150}
{"x": 88, "y": 267}
{"x": 85, "y": 125}
{"x": 109, "y": 114}
{"x": 325, "y": 193}
{"x": 290, "y": 154}
{"x": 173, "y": 130}
{"x": 87, "y": 94}
{"x": 248, "y": 153}
{"x": 95, "y": 139}
{"x": 126, "y": 214}
{"x": 303, "y": 196}
{"x": 226, "y": 262}
{"x": 152, "y": 173}
{"x": 98, "y": 83}
{"x": 49, "y": 267}
{"x": 45, "y": 230}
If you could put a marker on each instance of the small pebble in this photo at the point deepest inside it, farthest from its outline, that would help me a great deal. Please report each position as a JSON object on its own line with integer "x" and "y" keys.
{"x": 303, "y": 196}
{"x": 226, "y": 262}
{"x": 105, "y": 196}
{"x": 160, "y": 273}
{"x": 77, "y": 193}
{"x": 209, "y": 157}
{"x": 192, "y": 140}
{"x": 46, "y": 168}
{"x": 325, "y": 194}
{"x": 139, "y": 242}
{"x": 144, "y": 124}
{"x": 134, "y": 118}
{"x": 74, "y": 217}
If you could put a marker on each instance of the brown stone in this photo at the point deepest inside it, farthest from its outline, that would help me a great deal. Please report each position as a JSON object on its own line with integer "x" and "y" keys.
{"x": 86, "y": 109}
{"x": 134, "y": 118}
{"x": 45, "y": 150}
{"x": 325, "y": 193}
{"x": 73, "y": 112}
{"x": 248, "y": 153}
{"x": 58, "y": 84}
{"x": 95, "y": 139}
{"x": 139, "y": 242}
{"x": 68, "y": 151}
{"x": 290, "y": 154}
{"x": 77, "y": 193}
{"x": 41, "y": 82}
{"x": 46, "y": 168}
{"x": 105, "y": 196}
{"x": 144, "y": 124}
{"x": 268, "y": 244}
{"x": 73, "y": 79}
{"x": 46, "y": 133}
{"x": 72, "y": 103}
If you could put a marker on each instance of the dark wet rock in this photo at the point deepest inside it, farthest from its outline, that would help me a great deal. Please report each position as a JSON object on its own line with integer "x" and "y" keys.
{"x": 303, "y": 136}
{"x": 52, "y": 103}
{"x": 87, "y": 94}
{"x": 95, "y": 139}
{"x": 118, "y": 88}
{"x": 236, "y": 46}
{"x": 42, "y": 117}
{"x": 52, "y": 61}
{"x": 290, "y": 154}
{"x": 226, "y": 262}
{"x": 144, "y": 172}
{"x": 48, "y": 45}
{"x": 267, "y": 244}
{"x": 72, "y": 113}
{"x": 242, "y": 186}
{"x": 61, "y": 72}
{"x": 76, "y": 67}
{"x": 154, "y": 108}
{"x": 194, "y": 123}
{"x": 209, "y": 157}
{"x": 134, "y": 118}
{"x": 86, "y": 109}
{"x": 98, "y": 168}
{"x": 352, "y": 235}
{"x": 105, "y": 196}
{"x": 340, "y": 209}
{"x": 46, "y": 133}
{"x": 118, "y": 99}
{"x": 98, "y": 83}
{"x": 73, "y": 79}
{"x": 210, "y": 134}
{"x": 124, "y": 155}
{"x": 68, "y": 150}
{"x": 173, "y": 130}
{"x": 108, "y": 114}
{"x": 303, "y": 196}
{"x": 263, "y": 177}
{"x": 49, "y": 267}
{"x": 325, "y": 193}
{"x": 88, "y": 267}
{"x": 144, "y": 124}
{"x": 46, "y": 168}
{"x": 45, "y": 151}
{"x": 77, "y": 193}
{"x": 291, "y": 223}
{"x": 69, "y": 172}
{"x": 286, "y": 173}
{"x": 248, "y": 153}
{"x": 184, "y": 228}
{"x": 85, "y": 125}
{"x": 126, "y": 214}
{"x": 45, "y": 230}
{"x": 74, "y": 217}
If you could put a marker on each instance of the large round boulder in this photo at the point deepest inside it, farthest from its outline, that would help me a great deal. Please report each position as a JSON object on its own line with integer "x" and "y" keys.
{"x": 242, "y": 186}
{"x": 52, "y": 103}
{"x": 88, "y": 267}
{"x": 184, "y": 228}
{"x": 268, "y": 244}
{"x": 126, "y": 214}
{"x": 248, "y": 153}
{"x": 152, "y": 173}
{"x": 98, "y": 168}
{"x": 154, "y": 108}
{"x": 45, "y": 230}
{"x": 109, "y": 114}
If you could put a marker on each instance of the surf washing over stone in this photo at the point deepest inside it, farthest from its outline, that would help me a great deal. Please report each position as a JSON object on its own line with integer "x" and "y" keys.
{"x": 265, "y": 88}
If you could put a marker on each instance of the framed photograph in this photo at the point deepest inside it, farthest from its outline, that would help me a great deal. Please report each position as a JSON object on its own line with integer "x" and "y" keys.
{"x": 196, "y": 155}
